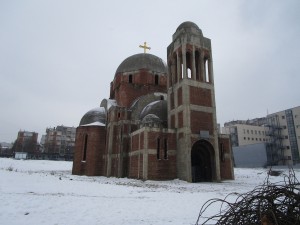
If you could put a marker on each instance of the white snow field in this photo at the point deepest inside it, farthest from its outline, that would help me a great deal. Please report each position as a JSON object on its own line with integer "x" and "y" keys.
{"x": 38, "y": 192}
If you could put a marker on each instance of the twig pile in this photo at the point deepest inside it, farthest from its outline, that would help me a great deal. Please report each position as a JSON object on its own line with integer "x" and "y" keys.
{"x": 267, "y": 204}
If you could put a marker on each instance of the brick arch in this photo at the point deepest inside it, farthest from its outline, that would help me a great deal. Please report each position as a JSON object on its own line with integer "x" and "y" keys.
{"x": 202, "y": 161}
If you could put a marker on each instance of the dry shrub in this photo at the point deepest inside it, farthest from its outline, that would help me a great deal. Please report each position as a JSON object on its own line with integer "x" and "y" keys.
{"x": 267, "y": 204}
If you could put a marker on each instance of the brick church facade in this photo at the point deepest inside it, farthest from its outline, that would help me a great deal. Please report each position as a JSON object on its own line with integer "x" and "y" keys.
{"x": 159, "y": 122}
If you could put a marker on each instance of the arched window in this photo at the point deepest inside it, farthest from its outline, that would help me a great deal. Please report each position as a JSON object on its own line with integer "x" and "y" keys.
{"x": 130, "y": 79}
{"x": 84, "y": 147}
{"x": 206, "y": 70}
{"x": 156, "y": 79}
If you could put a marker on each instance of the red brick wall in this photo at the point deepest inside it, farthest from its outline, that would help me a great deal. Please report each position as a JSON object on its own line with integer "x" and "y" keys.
{"x": 161, "y": 169}
{"x": 200, "y": 96}
{"x": 143, "y": 83}
{"x": 133, "y": 169}
{"x": 172, "y": 121}
{"x": 94, "y": 164}
{"x": 172, "y": 100}
{"x": 201, "y": 121}
{"x": 225, "y": 159}
{"x": 135, "y": 143}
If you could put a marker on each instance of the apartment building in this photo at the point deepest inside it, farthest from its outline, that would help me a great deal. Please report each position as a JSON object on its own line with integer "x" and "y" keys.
{"x": 245, "y": 133}
{"x": 59, "y": 140}
{"x": 279, "y": 131}
{"x": 26, "y": 142}
{"x": 284, "y": 136}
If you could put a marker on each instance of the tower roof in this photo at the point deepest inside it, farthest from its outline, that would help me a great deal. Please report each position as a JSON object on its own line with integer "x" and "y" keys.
{"x": 142, "y": 61}
{"x": 188, "y": 25}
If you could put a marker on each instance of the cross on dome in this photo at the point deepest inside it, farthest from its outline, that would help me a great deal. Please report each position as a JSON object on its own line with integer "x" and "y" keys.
{"x": 145, "y": 47}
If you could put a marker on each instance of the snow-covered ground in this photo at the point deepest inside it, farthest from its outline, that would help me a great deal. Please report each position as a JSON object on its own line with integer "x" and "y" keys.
{"x": 45, "y": 192}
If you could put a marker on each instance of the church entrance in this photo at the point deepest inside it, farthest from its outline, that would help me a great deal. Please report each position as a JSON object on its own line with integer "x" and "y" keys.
{"x": 202, "y": 161}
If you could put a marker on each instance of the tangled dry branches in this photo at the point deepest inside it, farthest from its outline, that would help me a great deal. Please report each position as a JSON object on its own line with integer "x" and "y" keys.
{"x": 268, "y": 204}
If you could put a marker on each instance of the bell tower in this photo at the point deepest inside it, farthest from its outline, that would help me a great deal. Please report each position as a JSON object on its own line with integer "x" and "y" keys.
{"x": 191, "y": 105}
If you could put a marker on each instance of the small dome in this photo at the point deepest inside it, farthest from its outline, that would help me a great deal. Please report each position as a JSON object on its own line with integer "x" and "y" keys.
{"x": 94, "y": 115}
{"x": 157, "y": 108}
{"x": 142, "y": 61}
{"x": 151, "y": 118}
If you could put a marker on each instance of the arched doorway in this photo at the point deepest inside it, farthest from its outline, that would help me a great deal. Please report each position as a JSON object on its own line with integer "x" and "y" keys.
{"x": 202, "y": 161}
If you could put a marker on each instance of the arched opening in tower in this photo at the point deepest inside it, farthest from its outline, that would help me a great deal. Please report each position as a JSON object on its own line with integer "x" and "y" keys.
{"x": 202, "y": 161}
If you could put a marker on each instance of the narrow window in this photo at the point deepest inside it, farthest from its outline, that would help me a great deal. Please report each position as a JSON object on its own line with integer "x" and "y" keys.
{"x": 189, "y": 73}
{"x": 158, "y": 148}
{"x": 165, "y": 149}
{"x": 222, "y": 152}
{"x": 181, "y": 72}
{"x": 206, "y": 71}
{"x": 130, "y": 79}
{"x": 156, "y": 79}
{"x": 161, "y": 97}
{"x": 85, "y": 147}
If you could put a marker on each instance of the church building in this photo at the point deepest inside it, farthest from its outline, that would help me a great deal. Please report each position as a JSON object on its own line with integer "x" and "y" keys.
{"x": 159, "y": 122}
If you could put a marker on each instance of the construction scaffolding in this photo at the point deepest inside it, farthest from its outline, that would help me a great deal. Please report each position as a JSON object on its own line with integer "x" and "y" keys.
{"x": 275, "y": 148}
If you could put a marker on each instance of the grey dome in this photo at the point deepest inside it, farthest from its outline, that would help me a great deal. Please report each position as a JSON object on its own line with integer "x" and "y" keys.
{"x": 142, "y": 61}
{"x": 94, "y": 115}
{"x": 157, "y": 108}
{"x": 151, "y": 118}
{"x": 189, "y": 26}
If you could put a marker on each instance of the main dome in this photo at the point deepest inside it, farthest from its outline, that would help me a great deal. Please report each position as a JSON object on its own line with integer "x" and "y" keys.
{"x": 142, "y": 61}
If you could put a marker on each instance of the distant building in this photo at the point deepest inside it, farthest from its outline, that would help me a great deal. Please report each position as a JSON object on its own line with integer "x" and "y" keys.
{"x": 283, "y": 147}
{"x": 59, "y": 140}
{"x": 26, "y": 142}
{"x": 5, "y": 149}
{"x": 279, "y": 131}
{"x": 245, "y": 134}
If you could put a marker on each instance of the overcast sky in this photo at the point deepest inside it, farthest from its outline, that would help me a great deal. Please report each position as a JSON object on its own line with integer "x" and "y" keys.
{"x": 58, "y": 57}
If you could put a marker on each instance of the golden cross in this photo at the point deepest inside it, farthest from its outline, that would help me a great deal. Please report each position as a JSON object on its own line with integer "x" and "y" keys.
{"x": 145, "y": 47}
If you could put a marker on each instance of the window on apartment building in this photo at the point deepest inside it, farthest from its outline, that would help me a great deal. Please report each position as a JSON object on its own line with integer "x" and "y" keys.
{"x": 244, "y": 138}
{"x": 283, "y": 117}
{"x": 247, "y": 131}
{"x": 286, "y": 137}
{"x": 287, "y": 147}
{"x": 244, "y": 131}
{"x": 263, "y": 139}
{"x": 251, "y": 131}
{"x": 256, "y": 132}
{"x": 252, "y": 139}
{"x": 289, "y": 157}
{"x": 259, "y": 139}
{"x": 248, "y": 138}
{"x": 256, "y": 139}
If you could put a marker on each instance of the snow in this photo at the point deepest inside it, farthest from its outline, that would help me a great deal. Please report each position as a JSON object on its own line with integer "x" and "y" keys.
{"x": 97, "y": 123}
{"x": 45, "y": 192}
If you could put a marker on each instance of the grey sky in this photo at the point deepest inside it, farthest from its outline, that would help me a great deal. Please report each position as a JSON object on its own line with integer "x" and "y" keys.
{"x": 58, "y": 57}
